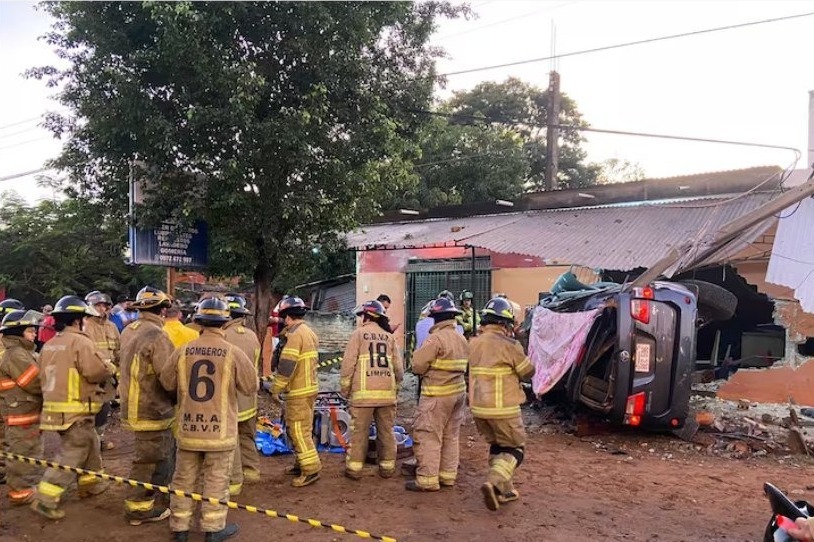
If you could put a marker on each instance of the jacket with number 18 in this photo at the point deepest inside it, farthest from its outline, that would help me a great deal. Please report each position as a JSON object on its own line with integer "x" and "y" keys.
{"x": 208, "y": 373}
{"x": 145, "y": 356}
{"x": 372, "y": 369}
{"x": 297, "y": 369}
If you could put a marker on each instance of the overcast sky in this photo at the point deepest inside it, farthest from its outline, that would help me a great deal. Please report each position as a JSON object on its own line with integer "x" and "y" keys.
{"x": 748, "y": 84}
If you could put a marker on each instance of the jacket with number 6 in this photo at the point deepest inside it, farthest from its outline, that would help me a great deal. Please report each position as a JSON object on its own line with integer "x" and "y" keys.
{"x": 296, "y": 371}
{"x": 145, "y": 355}
{"x": 372, "y": 369}
{"x": 208, "y": 374}
{"x": 244, "y": 338}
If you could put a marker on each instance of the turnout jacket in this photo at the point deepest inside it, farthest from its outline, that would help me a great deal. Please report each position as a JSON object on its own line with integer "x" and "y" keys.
{"x": 207, "y": 374}
{"x": 71, "y": 371}
{"x": 442, "y": 361}
{"x": 497, "y": 363}
{"x": 296, "y": 371}
{"x": 372, "y": 368}
{"x": 105, "y": 336}
{"x": 245, "y": 339}
{"x": 145, "y": 356}
{"x": 20, "y": 390}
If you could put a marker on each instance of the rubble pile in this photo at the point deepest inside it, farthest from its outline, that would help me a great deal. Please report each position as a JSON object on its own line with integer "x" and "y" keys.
{"x": 741, "y": 429}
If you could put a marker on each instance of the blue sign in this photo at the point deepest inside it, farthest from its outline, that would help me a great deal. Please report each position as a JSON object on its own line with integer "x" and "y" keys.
{"x": 170, "y": 246}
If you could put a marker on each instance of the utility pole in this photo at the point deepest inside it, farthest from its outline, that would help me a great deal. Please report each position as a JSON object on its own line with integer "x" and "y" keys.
{"x": 552, "y": 150}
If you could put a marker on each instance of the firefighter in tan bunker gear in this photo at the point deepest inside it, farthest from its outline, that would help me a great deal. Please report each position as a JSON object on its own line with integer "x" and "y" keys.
{"x": 246, "y": 465}
{"x": 370, "y": 377}
{"x": 442, "y": 362}
{"x": 105, "y": 335}
{"x": 20, "y": 403}
{"x": 209, "y": 373}
{"x": 296, "y": 374}
{"x": 147, "y": 408}
{"x": 71, "y": 372}
{"x": 497, "y": 363}
{"x": 6, "y": 306}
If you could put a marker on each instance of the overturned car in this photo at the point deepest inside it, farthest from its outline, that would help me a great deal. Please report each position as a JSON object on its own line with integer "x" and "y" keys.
{"x": 626, "y": 353}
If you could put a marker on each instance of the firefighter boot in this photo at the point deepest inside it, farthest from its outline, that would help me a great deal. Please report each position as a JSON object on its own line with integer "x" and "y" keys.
{"x": 412, "y": 485}
{"x": 490, "y": 496}
{"x": 293, "y": 470}
{"x": 50, "y": 513}
{"x": 227, "y": 532}
{"x": 180, "y": 536}
{"x": 305, "y": 480}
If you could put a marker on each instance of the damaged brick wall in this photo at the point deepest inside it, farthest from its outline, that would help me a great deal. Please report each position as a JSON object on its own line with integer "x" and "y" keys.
{"x": 790, "y": 380}
{"x": 332, "y": 328}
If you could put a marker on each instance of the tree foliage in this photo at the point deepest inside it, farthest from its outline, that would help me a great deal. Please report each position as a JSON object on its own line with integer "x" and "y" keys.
{"x": 614, "y": 170}
{"x": 491, "y": 145}
{"x": 280, "y": 123}
{"x": 61, "y": 247}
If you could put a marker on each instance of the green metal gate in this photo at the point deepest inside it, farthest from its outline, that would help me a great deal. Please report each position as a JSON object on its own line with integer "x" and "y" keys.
{"x": 426, "y": 278}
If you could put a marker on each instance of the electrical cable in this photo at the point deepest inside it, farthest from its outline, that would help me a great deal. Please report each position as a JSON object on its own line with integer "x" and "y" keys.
{"x": 22, "y": 174}
{"x": 19, "y": 122}
{"x": 498, "y": 23}
{"x": 626, "y": 44}
{"x": 26, "y": 142}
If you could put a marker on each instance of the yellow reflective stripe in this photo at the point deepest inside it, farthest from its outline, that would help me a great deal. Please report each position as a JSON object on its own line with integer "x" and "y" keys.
{"x": 447, "y": 475}
{"x": 486, "y": 412}
{"x": 427, "y": 481}
{"x": 87, "y": 480}
{"x": 374, "y": 394}
{"x": 133, "y": 392}
{"x": 309, "y": 354}
{"x": 61, "y": 407}
{"x": 444, "y": 390}
{"x": 450, "y": 364}
{"x": 354, "y": 466}
{"x": 490, "y": 371}
{"x": 389, "y": 464}
{"x": 310, "y": 390}
{"x": 50, "y": 490}
{"x": 139, "y": 506}
{"x": 148, "y": 425}
{"x": 247, "y": 414}
{"x": 292, "y": 352}
{"x": 345, "y": 381}
{"x": 235, "y": 489}
{"x": 504, "y": 468}
{"x": 523, "y": 366}
{"x": 73, "y": 385}
{"x": 182, "y": 513}
{"x": 214, "y": 445}
{"x": 499, "y": 392}
{"x": 257, "y": 359}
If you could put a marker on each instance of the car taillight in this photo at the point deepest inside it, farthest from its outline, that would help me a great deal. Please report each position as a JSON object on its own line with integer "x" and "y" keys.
{"x": 640, "y": 307}
{"x": 634, "y": 409}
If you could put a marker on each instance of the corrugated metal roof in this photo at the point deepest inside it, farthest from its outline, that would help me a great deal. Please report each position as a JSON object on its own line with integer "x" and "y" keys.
{"x": 610, "y": 237}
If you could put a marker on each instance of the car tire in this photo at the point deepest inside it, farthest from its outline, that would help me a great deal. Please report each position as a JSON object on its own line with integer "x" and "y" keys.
{"x": 715, "y": 303}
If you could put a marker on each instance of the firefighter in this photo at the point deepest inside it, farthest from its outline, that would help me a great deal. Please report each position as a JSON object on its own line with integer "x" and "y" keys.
{"x": 497, "y": 363}
{"x": 208, "y": 374}
{"x": 147, "y": 408}
{"x": 105, "y": 335}
{"x": 178, "y": 333}
{"x": 441, "y": 363}
{"x": 469, "y": 319}
{"x": 6, "y": 306}
{"x": 71, "y": 371}
{"x": 371, "y": 374}
{"x": 246, "y": 465}
{"x": 296, "y": 374}
{"x": 20, "y": 403}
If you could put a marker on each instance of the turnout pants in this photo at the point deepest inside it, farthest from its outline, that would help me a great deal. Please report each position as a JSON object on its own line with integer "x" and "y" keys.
{"x": 79, "y": 447}
{"x": 507, "y": 439}
{"x": 246, "y": 463}
{"x": 361, "y": 418}
{"x": 153, "y": 462}
{"x": 22, "y": 478}
{"x": 435, "y": 434}
{"x": 213, "y": 468}
{"x": 299, "y": 425}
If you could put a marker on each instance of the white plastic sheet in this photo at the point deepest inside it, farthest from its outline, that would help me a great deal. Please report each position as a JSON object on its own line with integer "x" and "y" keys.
{"x": 555, "y": 340}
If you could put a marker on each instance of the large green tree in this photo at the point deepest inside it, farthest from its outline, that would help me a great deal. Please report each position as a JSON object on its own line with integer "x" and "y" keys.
{"x": 60, "y": 247}
{"x": 280, "y": 123}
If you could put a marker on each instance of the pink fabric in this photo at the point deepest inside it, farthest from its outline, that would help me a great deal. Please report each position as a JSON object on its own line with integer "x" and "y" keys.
{"x": 555, "y": 341}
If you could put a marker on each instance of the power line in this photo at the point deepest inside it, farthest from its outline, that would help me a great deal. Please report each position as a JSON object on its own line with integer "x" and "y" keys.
{"x": 23, "y": 174}
{"x": 26, "y": 142}
{"x": 627, "y": 44}
{"x": 503, "y": 21}
{"x": 20, "y": 122}
{"x": 18, "y": 132}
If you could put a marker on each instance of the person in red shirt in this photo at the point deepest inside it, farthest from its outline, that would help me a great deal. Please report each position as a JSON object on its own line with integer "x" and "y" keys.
{"x": 47, "y": 330}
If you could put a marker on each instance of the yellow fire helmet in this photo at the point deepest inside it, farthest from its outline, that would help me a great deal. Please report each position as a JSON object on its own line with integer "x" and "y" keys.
{"x": 149, "y": 298}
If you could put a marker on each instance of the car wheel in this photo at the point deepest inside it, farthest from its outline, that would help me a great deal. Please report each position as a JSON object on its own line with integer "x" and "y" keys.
{"x": 715, "y": 303}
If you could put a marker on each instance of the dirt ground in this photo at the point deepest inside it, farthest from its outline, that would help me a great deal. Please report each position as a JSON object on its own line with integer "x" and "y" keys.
{"x": 609, "y": 487}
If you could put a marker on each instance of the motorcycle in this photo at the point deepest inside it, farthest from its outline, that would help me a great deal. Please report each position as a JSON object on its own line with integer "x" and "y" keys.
{"x": 784, "y": 513}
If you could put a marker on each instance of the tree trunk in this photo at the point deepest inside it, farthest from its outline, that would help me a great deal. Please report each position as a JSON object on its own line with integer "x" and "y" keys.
{"x": 263, "y": 277}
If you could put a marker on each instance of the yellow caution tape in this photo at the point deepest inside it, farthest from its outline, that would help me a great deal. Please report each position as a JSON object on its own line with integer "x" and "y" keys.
{"x": 198, "y": 497}
{"x": 321, "y": 364}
